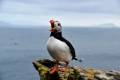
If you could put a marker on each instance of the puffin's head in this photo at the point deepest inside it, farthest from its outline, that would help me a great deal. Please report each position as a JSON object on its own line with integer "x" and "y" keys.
{"x": 55, "y": 26}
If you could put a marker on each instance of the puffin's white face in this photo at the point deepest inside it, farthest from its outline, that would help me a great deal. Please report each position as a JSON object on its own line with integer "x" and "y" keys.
{"x": 55, "y": 26}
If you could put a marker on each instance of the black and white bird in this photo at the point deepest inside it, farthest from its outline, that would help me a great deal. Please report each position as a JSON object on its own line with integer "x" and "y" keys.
{"x": 59, "y": 48}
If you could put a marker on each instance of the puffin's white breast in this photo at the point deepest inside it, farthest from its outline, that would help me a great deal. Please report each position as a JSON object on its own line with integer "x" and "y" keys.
{"x": 58, "y": 50}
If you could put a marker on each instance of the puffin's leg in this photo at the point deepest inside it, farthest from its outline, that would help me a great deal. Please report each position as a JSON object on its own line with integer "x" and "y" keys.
{"x": 66, "y": 64}
{"x": 64, "y": 67}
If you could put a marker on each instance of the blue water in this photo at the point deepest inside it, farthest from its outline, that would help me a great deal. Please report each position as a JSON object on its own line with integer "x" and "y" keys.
{"x": 99, "y": 47}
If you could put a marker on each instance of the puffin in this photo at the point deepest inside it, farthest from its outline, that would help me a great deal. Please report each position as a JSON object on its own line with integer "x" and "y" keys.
{"x": 60, "y": 49}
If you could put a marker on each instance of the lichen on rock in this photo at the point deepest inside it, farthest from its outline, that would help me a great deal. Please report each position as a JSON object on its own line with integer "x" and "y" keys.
{"x": 72, "y": 73}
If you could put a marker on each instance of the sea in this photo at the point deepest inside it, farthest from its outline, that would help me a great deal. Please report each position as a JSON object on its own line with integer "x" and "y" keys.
{"x": 99, "y": 48}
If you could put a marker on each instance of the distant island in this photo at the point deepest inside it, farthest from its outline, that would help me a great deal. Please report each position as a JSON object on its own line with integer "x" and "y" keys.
{"x": 5, "y": 24}
{"x": 9, "y": 25}
{"x": 107, "y": 25}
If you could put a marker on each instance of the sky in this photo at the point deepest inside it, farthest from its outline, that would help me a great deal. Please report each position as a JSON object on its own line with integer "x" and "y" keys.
{"x": 68, "y": 12}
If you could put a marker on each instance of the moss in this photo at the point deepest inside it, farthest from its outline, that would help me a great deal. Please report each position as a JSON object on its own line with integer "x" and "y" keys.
{"x": 43, "y": 67}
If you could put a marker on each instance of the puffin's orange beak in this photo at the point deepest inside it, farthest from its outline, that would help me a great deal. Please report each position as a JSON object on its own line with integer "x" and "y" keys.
{"x": 52, "y": 25}
{"x": 52, "y": 30}
{"x": 51, "y": 21}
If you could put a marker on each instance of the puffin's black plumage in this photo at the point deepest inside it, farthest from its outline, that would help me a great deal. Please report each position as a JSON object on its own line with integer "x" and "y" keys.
{"x": 59, "y": 48}
{"x": 58, "y": 35}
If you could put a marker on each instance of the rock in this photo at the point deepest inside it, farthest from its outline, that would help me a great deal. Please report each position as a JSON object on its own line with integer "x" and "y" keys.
{"x": 71, "y": 73}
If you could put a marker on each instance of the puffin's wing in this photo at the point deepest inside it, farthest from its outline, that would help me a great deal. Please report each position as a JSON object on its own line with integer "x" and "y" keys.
{"x": 72, "y": 50}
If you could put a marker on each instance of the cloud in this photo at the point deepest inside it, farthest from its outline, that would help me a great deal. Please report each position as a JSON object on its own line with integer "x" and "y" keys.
{"x": 76, "y": 12}
{"x": 1, "y": 3}
{"x": 91, "y": 6}
{"x": 66, "y": 20}
{"x": 38, "y": 6}
{"x": 21, "y": 8}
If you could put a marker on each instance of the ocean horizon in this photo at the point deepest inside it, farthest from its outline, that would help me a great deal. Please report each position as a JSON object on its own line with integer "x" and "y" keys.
{"x": 98, "y": 47}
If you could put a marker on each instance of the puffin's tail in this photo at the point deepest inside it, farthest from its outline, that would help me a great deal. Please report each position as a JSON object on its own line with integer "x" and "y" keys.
{"x": 79, "y": 60}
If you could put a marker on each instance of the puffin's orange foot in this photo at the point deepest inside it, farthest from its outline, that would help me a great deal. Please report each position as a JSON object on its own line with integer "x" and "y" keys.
{"x": 53, "y": 70}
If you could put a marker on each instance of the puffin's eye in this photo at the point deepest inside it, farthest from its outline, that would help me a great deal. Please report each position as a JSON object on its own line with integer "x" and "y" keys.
{"x": 58, "y": 24}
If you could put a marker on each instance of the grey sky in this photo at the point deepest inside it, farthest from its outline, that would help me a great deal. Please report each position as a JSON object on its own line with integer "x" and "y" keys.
{"x": 69, "y": 12}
